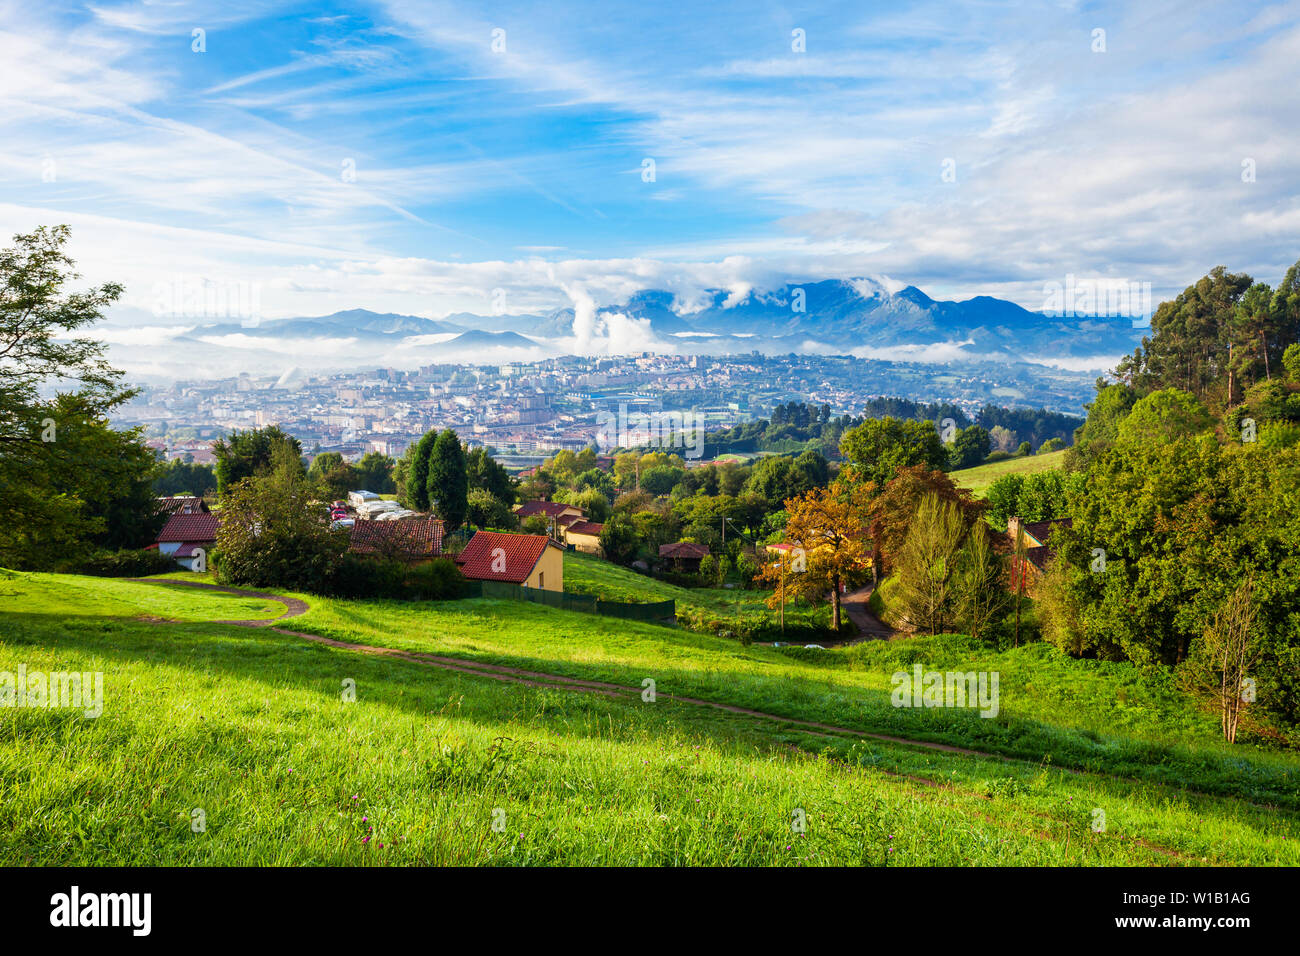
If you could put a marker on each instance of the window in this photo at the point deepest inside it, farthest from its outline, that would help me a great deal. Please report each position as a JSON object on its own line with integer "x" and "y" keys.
{"x": 541, "y": 579}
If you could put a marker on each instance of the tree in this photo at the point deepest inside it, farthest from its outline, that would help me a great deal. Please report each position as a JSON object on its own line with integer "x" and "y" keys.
{"x": 374, "y": 472}
{"x": 487, "y": 473}
{"x": 179, "y": 477}
{"x": 448, "y": 483}
{"x": 1189, "y": 344}
{"x": 1164, "y": 416}
{"x": 70, "y": 481}
{"x": 324, "y": 463}
{"x": 1024, "y": 449}
{"x": 1037, "y": 496}
{"x": 880, "y": 446}
{"x": 1222, "y": 661}
{"x": 981, "y": 582}
{"x": 256, "y": 452}
{"x": 1291, "y": 362}
{"x": 969, "y": 448}
{"x": 1099, "y": 431}
{"x": 1002, "y": 438}
{"x": 618, "y": 540}
{"x": 272, "y": 534}
{"x": 488, "y": 511}
{"x": 832, "y": 542}
{"x": 928, "y": 563}
{"x": 890, "y": 511}
{"x": 661, "y": 479}
{"x": 416, "y": 490}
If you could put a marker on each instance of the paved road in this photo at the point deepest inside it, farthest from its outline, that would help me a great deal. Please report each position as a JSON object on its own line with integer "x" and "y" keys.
{"x": 870, "y": 627}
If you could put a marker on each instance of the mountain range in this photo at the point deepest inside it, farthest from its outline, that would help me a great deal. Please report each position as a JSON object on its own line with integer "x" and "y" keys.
{"x": 869, "y": 318}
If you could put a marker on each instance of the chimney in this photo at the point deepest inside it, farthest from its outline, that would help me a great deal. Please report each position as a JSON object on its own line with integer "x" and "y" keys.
{"x": 1013, "y": 528}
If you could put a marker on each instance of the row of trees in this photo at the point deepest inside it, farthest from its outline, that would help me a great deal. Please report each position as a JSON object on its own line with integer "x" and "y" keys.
{"x": 1218, "y": 337}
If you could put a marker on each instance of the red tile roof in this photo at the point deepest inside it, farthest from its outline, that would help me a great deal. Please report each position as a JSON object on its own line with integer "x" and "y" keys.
{"x": 195, "y": 528}
{"x": 565, "y": 521}
{"x": 180, "y": 504}
{"x": 518, "y": 555}
{"x": 551, "y": 509}
{"x": 683, "y": 549}
{"x": 585, "y": 527}
{"x": 413, "y": 537}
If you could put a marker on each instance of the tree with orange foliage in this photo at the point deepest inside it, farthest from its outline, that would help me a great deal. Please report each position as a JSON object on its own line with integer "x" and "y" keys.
{"x": 830, "y": 543}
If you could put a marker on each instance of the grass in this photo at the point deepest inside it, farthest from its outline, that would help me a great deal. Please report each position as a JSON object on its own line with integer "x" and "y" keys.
{"x": 586, "y": 574}
{"x": 977, "y": 480}
{"x": 250, "y": 727}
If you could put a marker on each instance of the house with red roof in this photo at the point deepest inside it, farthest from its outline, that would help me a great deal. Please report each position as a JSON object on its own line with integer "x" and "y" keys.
{"x": 186, "y": 537}
{"x": 531, "y": 560}
{"x": 548, "y": 509}
{"x": 685, "y": 555}
{"x": 410, "y": 540}
{"x": 180, "y": 504}
{"x": 1026, "y": 575}
{"x": 584, "y": 536}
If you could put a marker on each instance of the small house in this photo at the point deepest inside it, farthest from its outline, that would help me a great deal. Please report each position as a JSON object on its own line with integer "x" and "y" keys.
{"x": 584, "y": 536}
{"x": 684, "y": 555}
{"x": 185, "y": 536}
{"x": 531, "y": 560}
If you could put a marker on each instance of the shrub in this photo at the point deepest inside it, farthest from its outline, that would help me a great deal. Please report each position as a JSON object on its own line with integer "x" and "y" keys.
{"x": 436, "y": 580}
{"x": 357, "y": 576}
{"x": 121, "y": 564}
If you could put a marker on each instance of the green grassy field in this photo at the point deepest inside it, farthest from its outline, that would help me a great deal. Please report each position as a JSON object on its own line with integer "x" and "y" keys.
{"x": 977, "y": 480}
{"x": 249, "y": 726}
{"x": 586, "y": 574}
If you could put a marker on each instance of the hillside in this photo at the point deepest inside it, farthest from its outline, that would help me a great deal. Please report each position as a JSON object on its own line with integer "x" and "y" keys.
{"x": 248, "y": 724}
{"x": 977, "y": 480}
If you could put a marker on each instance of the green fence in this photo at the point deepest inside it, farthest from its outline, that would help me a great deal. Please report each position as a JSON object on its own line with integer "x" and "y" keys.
{"x": 658, "y": 612}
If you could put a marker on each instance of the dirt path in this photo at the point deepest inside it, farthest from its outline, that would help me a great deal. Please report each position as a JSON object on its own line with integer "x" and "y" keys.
{"x": 293, "y": 607}
{"x": 870, "y": 627}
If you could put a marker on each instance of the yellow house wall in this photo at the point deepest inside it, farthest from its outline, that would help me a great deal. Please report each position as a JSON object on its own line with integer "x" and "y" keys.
{"x": 590, "y": 543}
{"x": 548, "y": 573}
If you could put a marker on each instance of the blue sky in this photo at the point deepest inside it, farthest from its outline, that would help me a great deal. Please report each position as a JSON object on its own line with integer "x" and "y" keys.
{"x": 478, "y": 169}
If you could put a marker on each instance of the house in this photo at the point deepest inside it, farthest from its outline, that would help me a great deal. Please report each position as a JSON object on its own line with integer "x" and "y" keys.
{"x": 1037, "y": 551}
{"x": 685, "y": 555}
{"x": 548, "y": 509}
{"x": 558, "y": 516}
{"x": 584, "y": 536}
{"x": 180, "y": 505}
{"x": 532, "y": 560}
{"x": 185, "y": 536}
{"x": 412, "y": 540}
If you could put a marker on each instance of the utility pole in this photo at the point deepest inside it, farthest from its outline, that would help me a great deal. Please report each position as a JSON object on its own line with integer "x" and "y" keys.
{"x": 1020, "y": 574}
{"x": 783, "y": 594}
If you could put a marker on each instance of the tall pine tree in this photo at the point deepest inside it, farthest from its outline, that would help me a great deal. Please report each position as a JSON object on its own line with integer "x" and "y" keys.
{"x": 448, "y": 483}
{"x": 417, "y": 480}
